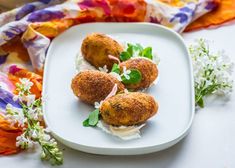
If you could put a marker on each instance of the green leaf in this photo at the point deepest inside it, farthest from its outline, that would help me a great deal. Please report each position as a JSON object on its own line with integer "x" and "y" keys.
{"x": 140, "y": 48}
{"x": 136, "y": 48}
{"x": 93, "y": 119}
{"x": 86, "y": 123}
{"x": 125, "y": 56}
{"x": 200, "y": 102}
{"x": 147, "y": 52}
{"x": 135, "y": 77}
{"x": 130, "y": 49}
{"x": 116, "y": 68}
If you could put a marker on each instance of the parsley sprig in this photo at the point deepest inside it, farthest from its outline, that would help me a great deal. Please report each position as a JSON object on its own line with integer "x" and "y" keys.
{"x": 136, "y": 50}
{"x": 93, "y": 119}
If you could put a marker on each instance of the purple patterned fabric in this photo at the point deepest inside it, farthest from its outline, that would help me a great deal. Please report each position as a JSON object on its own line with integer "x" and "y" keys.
{"x": 26, "y": 9}
{"x": 7, "y": 97}
{"x": 154, "y": 20}
{"x": 45, "y": 15}
{"x": 45, "y": 1}
{"x": 182, "y": 17}
{"x": 89, "y": 4}
{"x": 3, "y": 58}
{"x": 210, "y": 5}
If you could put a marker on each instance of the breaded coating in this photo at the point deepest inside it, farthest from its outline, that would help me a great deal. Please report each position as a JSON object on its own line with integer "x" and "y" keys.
{"x": 96, "y": 47}
{"x": 148, "y": 69}
{"x": 93, "y": 86}
{"x": 128, "y": 109}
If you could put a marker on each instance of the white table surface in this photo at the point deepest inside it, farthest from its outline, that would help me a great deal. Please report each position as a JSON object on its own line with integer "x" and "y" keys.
{"x": 210, "y": 143}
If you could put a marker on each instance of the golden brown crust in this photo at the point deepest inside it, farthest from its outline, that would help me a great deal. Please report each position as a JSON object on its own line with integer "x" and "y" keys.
{"x": 148, "y": 71}
{"x": 96, "y": 47}
{"x": 128, "y": 109}
{"x": 93, "y": 86}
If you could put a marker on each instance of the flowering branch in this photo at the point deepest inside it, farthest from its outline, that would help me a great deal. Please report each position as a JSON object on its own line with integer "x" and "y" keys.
{"x": 30, "y": 118}
{"x": 212, "y": 72}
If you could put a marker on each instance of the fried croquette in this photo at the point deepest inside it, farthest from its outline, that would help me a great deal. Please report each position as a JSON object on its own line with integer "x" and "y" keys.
{"x": 128, "y": 109}
{"x": 93, "y": 86}
{"x": 97, "y": 47}
{"x": 148, "y": 69}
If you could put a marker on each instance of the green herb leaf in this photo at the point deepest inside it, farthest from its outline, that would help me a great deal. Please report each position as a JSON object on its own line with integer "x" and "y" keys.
{"x": 86, "y": 123}
{"x": 140, "y": 48}
{"x": 134, "y": 48}
{"x": 147, "y": 52}
{"x": 93, "y": 119}
{"x": 116, "y": 68}
{"x": 125, "y": 56}
{"x": 135, "y": 77}
{"x": 130, "y": 49}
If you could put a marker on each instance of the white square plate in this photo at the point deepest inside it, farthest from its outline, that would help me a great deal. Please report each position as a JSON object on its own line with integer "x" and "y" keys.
{"x": 174, "y": 91}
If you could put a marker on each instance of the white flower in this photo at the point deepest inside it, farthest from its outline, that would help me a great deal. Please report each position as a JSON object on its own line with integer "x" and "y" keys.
{"x": 30, "y": 99}
{"x": 117, "y": 76}
{"x": 24, "y": 142}
{"x": 15, "y": 97}
{"x": 26, "y": 83}
{"x": 126, "y": 73}
{"x": 15, "y": 115}
{"x": 212, "y": 72}
{"x": 33, "y": 113}
{"x": 34, "y": 134}
{"x": 9, "y": 106}
{"x": 46, "y": 137}
{"x": 98, "y": 105}
{"x": 104, "y": 69}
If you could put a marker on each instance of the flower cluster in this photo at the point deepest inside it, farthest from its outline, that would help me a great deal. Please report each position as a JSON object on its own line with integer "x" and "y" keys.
{"x": 30, "y": 119}
{"x": 104, "y": 69}
{"x": 15, "y": 116}
{"x": 212, "y": 71}
{"x": 97, "y": 105}
{"x": 125, "y": 74}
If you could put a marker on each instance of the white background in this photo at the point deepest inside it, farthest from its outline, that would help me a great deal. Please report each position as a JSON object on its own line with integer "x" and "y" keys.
{"x": 210, "y": 143}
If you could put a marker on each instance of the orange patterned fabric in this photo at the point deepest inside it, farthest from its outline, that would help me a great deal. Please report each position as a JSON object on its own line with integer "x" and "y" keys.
{"x": 224, "y": 13}
{"x": 177, "y": 3}
{"x": 15, "y": 45}
{"x": 53, "y": 28}
{"x": 127, "y": 12}
{"x": 8, "y": 136}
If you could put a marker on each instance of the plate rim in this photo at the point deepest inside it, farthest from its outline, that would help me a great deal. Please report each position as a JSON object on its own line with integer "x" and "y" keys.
{"x": 119, "y": 150}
